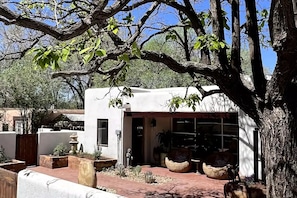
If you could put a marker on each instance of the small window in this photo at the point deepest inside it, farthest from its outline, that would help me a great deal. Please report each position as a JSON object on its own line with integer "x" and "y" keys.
{"x": 102, "y": 132}
{"x": 5, "y": 127}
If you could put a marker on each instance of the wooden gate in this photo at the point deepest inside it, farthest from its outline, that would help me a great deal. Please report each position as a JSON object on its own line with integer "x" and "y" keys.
{"x": 8, "y": 183}
{"x": 26, "y": 148}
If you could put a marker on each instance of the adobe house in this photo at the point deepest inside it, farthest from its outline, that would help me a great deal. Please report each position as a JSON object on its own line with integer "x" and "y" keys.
{"x": 15, "y": 119}
{"x": 58, "y": 119}
{"x": 216, "y": 125}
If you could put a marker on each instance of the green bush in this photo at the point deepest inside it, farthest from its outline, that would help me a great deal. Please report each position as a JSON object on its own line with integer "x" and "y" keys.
{"x": 137, "y": 170}
{"x": 3, "y": 157}
{"x": 149, "y": 177}
{"x": 60, "y": 150}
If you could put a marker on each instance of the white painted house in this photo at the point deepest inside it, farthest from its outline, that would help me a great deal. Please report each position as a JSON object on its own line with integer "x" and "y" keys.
{"x": 216, "y": 124}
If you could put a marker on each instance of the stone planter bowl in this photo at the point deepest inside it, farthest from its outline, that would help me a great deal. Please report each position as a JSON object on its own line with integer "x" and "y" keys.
{"x": 215, "y": 172}
{"x": 179, "y": 160}
{"x": 179, "y": 167}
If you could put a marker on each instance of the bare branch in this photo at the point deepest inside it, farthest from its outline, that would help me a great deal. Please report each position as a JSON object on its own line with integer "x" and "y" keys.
{"x": 235, "y": 51}
{"x": 98, "y": 16}
{"x": 255, "y": 52}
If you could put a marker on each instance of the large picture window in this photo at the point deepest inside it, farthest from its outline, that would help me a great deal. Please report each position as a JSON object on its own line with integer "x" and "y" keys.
{"x": 212, "y": 132}
{"x": 102, "y": 132}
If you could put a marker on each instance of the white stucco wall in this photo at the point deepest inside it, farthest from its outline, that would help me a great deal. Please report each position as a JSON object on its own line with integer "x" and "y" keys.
{"x": 96, "y": 107}
{"x": 8, "y": 141}
{"x": 48, "y": 140}
{"x": 37, "y": 185}
{"x": 157, "y": 100}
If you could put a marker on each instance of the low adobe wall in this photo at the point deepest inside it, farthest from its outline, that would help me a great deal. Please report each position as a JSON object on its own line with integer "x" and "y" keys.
{"x": 48, "y": 140}
{"x": 33, "y": 184}
{"x": 8, "y": 141}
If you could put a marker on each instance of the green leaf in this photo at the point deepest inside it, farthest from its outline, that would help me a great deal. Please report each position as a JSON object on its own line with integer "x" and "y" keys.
{"x": 115, "y": 30}
{"x": 88, "y": 57}
{"x": 197, "y": 45}
{"x": 124, "y": 57}
{"x": 136, "y": 50}
{"x": 215, "y": 45}
{"x": 85, "y": 50}
{"x": 47, "y": 52}
{"x": 128, "y": 18}
{"x": 222, "y": 44}
{"x": 170, "y": 36}
{"x": 65, "y": 54}
{"x": 98, "y": 42}
{"x": 112, "y": 25}
{"x": 100, "y": 52}
{"x": 55, "y": 65}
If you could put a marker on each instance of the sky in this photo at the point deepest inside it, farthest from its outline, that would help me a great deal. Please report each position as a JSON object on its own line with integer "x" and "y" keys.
{"x": 269, "y": 59}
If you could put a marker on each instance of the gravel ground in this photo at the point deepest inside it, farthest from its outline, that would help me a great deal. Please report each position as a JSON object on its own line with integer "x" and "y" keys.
{"x": 132, "y": 175}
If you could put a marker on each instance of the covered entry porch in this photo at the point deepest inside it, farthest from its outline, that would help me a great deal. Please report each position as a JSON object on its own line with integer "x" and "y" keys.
{"x": 202, "y": 133}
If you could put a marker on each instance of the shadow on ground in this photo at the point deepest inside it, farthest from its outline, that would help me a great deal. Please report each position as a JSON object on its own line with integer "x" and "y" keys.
{"x": 199, "y": 193}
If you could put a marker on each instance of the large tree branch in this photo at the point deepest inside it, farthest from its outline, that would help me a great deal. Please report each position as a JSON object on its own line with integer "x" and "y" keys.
{"x": 21, "y": 53}
{"x": 98, "y": 16}
{"x": 189, "y": 11}
{"x": 218, "y": 30}
{"x": 255, "y": 52}
{"x": 283, "y": 36}
{"x": 231, "y": 86}
{"x": 235, "y": 50}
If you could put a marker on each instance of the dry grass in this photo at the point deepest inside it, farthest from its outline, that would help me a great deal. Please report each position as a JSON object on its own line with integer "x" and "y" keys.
{"x": 134, "y": 174}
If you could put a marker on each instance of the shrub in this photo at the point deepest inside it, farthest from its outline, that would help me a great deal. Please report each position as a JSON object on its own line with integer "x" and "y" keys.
{"x": 149, "y": 177}
{"x": 120, "y": 169}
{"x": 60, "y": 150}
{"x": 137, "y": 170}
{"x": 3, "y": 157}
{"x": 97, "y": 153}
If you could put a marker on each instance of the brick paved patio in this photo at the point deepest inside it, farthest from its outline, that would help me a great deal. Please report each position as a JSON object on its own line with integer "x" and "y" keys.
{"x": 188, "y": 185}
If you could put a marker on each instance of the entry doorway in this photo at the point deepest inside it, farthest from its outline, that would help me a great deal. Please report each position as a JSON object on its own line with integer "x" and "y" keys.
{"x": 138, "y": 141}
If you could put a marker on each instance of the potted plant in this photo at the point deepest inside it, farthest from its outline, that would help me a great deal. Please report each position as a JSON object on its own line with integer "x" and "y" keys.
{"x": 60, "y": 150}
{"x": 160, "y": 152}
{"x": 58, "y": 159}
{"x": 96, "y": 158}
{"x": 10, "y": 164}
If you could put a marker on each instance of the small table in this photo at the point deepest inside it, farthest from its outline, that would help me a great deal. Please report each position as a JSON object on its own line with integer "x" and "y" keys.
{"x": 196, "y": 162}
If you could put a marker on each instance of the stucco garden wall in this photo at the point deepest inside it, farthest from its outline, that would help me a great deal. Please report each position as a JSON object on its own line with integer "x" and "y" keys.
{"x": 37, "y": 185}
{"x": 48, "y": 140}
{"x": 8, "y": 141}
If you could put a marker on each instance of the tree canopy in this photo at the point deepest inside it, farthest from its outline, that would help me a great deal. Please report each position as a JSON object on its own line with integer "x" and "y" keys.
{"x": 109, "y": 36}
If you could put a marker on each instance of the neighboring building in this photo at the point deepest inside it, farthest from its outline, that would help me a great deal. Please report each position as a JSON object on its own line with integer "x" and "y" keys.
{"x": 15, "y": 119}
{"x": 20, "y": 120}
{"x": 217, "y": 124}
{"x": 58, "y": 119}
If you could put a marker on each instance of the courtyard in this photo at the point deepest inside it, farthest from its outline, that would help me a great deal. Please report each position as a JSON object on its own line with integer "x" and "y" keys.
{"x": 191, "y": 184}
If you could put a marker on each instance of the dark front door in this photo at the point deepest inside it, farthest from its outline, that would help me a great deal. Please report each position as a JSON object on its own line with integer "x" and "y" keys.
{"x": 138, "y": 141}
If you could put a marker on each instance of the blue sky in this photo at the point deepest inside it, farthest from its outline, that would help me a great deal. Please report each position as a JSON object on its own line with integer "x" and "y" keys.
{"x": 269, "y": 59}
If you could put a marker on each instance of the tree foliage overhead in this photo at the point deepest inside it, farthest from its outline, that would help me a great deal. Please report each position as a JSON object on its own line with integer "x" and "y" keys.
{"x": 115, "y": 33}
{"x": 24, "y": 87}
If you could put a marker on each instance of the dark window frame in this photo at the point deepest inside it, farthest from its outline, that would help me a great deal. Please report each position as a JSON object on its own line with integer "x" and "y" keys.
{"x": 102, "y": 132}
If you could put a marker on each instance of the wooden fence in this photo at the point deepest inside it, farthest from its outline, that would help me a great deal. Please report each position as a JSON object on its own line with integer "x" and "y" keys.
{"x": 26, "y": 148}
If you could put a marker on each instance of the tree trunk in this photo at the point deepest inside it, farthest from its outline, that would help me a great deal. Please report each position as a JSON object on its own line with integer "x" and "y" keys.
{"x": 278, "y": 136}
